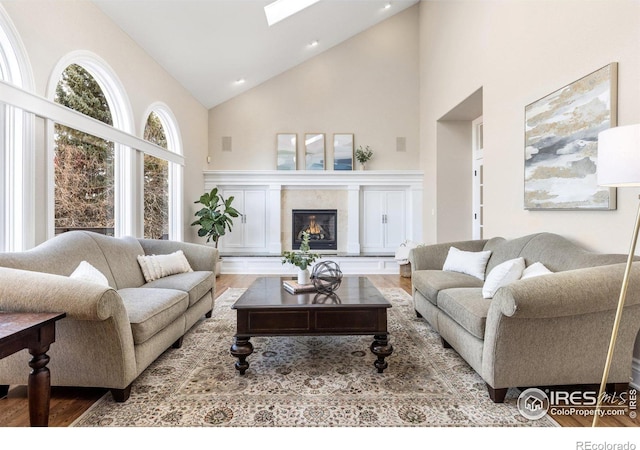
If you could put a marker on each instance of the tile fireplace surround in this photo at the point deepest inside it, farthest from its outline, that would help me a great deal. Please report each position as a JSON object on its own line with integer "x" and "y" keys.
{"x": 345, "y": 191}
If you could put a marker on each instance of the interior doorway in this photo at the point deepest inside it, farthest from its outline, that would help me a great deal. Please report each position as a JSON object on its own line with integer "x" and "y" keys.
{"x": 477, "y": 153}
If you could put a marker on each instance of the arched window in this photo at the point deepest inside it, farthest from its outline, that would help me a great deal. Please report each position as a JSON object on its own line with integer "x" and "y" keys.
{"x": 17, "y": 154}
{"x": 121, "y": 218}
{"x": 156, "y": 183}
{"x": 162, "y": 179}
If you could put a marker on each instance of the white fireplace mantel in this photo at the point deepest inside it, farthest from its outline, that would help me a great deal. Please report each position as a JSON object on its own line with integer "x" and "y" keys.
{"x": 353, "y": 182}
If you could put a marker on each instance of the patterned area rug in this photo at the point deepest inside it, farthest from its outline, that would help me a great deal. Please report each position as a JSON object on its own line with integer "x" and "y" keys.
{"x": 309, "y": 381}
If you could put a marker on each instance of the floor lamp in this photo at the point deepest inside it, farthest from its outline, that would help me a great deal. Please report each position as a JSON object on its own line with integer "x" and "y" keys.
{"x": 618, "y": 166}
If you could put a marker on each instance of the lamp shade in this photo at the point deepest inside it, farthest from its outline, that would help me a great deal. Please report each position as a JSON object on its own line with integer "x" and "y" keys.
{"x": 619, "y": 156}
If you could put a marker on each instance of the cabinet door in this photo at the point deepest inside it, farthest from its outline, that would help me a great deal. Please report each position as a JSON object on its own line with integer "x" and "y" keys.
{"x": 255, "y": 223}
{"x": 395, "y": 220}
{"x": 235, "y": 238}
{"x": 372, "y": 220}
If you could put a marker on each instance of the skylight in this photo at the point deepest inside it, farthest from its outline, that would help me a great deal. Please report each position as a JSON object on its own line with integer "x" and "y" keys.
{"x": 281, "y": 9}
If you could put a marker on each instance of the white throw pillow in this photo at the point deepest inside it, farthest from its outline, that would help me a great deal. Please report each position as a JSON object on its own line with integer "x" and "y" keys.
{"x": 501, "y": 275}
{"x": 471, "y": 263}
{"x": 535, "y": 270}
{"x": 87, "y": 272}
{"x": 159, "y": 266}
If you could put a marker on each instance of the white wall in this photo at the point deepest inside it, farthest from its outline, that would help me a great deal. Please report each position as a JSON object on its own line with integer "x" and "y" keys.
{"x": 367, "y": 85}
{"x": 519, "y": 52}
{"x": 50, "y": 30}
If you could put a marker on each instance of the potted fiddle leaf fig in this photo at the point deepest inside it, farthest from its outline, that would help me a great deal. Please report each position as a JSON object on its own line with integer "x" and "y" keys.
{"x": 215, "y": 218}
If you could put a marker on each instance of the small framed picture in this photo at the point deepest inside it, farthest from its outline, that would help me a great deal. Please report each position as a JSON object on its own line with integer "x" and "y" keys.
{"x": 343, "y": 151}
{"x": 287, "y": 145}
{"x": 314, "y": 151}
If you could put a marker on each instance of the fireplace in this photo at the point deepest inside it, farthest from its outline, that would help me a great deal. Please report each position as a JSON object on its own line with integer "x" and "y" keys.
{"x": 322, "y": 225}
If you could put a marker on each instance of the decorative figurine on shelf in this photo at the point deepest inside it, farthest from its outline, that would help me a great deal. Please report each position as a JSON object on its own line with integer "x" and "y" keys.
{"x": 326, "y": 277}
{"x": 301, "y": 259}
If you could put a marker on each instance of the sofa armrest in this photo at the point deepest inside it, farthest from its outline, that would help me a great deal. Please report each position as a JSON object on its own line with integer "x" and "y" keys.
{"x": 200, "y": 256}
{"x": 569, "y": 293}
{"x": 27, "y": 291}
{"x": 432, "y": 257}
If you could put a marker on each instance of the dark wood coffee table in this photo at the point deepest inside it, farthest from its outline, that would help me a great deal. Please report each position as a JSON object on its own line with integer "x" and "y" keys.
{"x": 267, "y": 309}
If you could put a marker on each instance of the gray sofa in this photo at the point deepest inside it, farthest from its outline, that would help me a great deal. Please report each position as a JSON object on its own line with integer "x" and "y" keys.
{"x": 551, "y": 330}
{"x": 110, "y": 333}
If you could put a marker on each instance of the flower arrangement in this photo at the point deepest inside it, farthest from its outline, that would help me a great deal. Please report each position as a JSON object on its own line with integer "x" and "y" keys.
{"x": 303, "y": 258}
{"x": 364, "y": 154}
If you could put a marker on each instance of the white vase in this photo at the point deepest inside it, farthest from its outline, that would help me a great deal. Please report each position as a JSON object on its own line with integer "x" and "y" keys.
{"x": 304, "y": 277}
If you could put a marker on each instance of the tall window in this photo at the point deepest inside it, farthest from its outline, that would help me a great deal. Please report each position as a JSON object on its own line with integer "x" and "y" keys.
{"x": 83, "y": 164}
{"x": 156, "y": 183}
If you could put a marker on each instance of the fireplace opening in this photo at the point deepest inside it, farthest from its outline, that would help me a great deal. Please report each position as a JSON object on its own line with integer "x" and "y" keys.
{"x": 322, "y": 225}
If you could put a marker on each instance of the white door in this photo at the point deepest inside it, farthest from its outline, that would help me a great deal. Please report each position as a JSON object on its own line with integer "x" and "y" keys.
{"x": 235, "y": 238}
{"x": 394, "y": 220}
{"x": 478, "y": 178}
{"x": 255, "y": 220}
{"x": 373, "y": 220}
{"x": 384, "y": 221}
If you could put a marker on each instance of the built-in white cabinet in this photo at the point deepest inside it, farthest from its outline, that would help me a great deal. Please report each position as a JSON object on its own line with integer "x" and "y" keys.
{"x": 383, "y": 220}
{"x": 249, "y": 233}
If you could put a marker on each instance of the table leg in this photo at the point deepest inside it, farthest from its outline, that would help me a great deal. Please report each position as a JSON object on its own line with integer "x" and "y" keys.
{"x": 381, "y": 348}
{"x": 39, "y": 387}
{"x": 241, "y": 349}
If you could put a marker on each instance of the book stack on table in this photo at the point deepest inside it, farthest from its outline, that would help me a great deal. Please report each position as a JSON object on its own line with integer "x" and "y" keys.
{"x": 293, "y": 287}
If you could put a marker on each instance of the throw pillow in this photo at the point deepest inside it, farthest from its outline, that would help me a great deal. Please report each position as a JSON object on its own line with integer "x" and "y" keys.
{"x": 159, "y": 266}
{"x": 471, "y": 263}
{"x": 535, "y": 270}
{"x": 87, "y": 272}
{"x": 501, "y": 275}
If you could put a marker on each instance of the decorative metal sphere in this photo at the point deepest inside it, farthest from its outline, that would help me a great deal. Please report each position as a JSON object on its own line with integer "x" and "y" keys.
{"x": 326, "y": 276}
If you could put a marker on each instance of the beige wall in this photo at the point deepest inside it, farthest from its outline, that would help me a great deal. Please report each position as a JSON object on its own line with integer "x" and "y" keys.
{"x": 367, "y": 85}
{"x": 519, "y": 52}
{"x": 52, "y": 30}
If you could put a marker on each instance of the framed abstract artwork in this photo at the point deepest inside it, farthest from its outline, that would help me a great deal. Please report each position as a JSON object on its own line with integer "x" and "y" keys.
{"x": 287, "y": 146}
{"x": 314, "y": 151}
{"x": 343, "y": 152}
{"x": 561, "y": 144}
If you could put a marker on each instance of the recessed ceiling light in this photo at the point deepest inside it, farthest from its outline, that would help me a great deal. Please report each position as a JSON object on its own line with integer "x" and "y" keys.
{"x": 281, "y": 9}
{"x": 387, "y": 6}
{"x": 240, "y": 80}
{"x": 314, "y": 43}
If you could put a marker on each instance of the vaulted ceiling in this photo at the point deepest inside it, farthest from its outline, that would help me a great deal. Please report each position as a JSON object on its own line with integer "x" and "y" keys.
{"x": 218, "y": 49}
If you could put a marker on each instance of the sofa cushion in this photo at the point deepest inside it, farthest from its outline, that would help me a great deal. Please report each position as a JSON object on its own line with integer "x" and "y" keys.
{"x": 155, "y": 267}
{"x": 121, "y": 255}
{"x": 151, "y": 310}
{"x": 467, "y": 307}
{"x": 501, "y": 275}
{"x": 430, "y": 282}
{"x": 535, "y": 270}
{"x": 196, "y": 284}
{"x": 471, "y": 263}
{"x": 86, "y": 272}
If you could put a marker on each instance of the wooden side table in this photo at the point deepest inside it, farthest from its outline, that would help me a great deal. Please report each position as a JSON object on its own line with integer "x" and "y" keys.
{"x": 35, "y": 332}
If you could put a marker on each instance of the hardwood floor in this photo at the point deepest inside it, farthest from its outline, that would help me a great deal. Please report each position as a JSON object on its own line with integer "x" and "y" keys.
{"x": 67, "y": 404}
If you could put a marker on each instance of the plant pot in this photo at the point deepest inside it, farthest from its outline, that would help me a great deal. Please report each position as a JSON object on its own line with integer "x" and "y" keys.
{"x": 304, "y": 277}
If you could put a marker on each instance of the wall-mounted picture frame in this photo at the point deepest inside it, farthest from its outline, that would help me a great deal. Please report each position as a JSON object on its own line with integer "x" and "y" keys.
{"x": 561, "y": 144}
{"x": 314, "y": 151}
{"x": 287, "y": 148}
{"x": 343, "y": 151}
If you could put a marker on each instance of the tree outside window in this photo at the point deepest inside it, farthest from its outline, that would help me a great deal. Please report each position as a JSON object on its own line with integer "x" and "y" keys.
{"x": 83, "y": 164}
{"x": 156, "y": 183}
